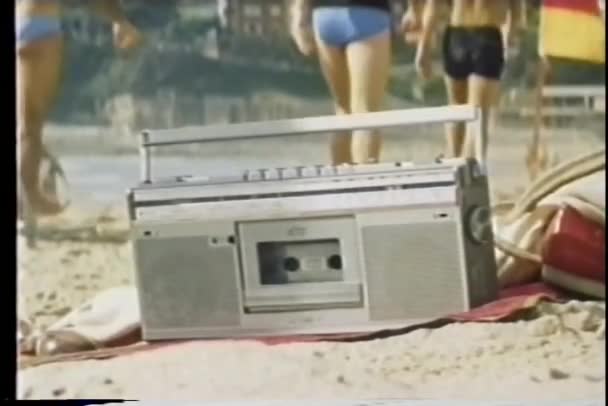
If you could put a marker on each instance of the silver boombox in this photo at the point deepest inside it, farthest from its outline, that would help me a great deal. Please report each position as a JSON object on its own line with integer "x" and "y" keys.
{"x": 310, "y": 250}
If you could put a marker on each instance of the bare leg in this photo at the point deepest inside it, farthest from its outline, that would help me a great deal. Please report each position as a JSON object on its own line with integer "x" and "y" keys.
{"x": 369, "y": 64}
{"x": 537, "y": 154}
{"x": 38, "y": 69}
{"x": 483, "y": 93}
{"x": 458, "y": 93}
{"x": 335, "y": 71}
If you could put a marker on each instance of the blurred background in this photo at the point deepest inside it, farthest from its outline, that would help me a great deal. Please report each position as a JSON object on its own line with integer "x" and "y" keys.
{"x": 227, "y": 61}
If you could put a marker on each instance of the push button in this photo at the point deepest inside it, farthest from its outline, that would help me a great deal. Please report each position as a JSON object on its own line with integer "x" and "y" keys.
{"x": 310, "y": 172}
{"x": 289, "y": 173}
{"x": 271, "y": 174}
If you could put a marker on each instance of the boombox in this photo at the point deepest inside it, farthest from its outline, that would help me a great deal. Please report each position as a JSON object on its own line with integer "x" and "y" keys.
{"x": 316, "y": 249}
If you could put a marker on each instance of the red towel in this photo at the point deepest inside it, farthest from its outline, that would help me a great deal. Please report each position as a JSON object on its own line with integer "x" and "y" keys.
{"x": 511, "y": 303}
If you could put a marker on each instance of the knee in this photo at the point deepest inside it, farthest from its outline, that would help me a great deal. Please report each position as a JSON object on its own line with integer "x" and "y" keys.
{"x": 363, "y": 105}
{"x": 360, "y": 106}
{"x": 456, "y": 127}
{"x": 30, "y": 134}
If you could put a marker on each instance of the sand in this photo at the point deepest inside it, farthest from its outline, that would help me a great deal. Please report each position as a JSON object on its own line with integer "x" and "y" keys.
{"x": 57, "y": 276}
{"x": 557, "y": 356}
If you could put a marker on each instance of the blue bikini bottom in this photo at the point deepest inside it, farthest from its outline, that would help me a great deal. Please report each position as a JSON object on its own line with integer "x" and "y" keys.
{"x": 33, "y": 29}
{"x": 340, "y": 26}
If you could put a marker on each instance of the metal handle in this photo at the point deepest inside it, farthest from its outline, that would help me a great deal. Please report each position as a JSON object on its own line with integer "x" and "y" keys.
{"x": 309, "y": 125}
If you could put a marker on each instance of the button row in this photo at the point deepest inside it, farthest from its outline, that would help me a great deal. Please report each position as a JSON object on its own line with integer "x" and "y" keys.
{"x": 320, "y": 171}
{"x": 295, "y": 173}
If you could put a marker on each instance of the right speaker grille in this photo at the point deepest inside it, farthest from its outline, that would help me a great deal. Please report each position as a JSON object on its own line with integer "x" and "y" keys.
{"x": 413, "y": 270}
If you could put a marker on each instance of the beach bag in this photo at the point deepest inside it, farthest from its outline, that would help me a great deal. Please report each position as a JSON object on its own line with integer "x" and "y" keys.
{"x": 568, "y": 197}
{"x": 573, "y": 254}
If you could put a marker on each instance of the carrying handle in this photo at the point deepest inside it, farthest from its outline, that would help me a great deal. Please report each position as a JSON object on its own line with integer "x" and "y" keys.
{"x": 313, "y": 125}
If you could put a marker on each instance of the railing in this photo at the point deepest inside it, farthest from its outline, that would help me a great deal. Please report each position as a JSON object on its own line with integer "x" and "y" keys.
{"x": 564, "y": 102}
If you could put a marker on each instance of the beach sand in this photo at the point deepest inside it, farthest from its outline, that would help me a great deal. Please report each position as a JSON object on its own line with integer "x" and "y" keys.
{"x": 558, "y": 356}
{"x": 552, "y": 357}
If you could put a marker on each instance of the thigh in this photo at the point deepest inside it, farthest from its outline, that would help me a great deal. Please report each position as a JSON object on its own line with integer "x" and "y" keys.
{"x": 457, "y": 93}
{"x": 38, "y": 76}
{"x": 483, "y": 92}
{"x": 457, "y": 90}
{"x": 335, "y": 71}
{"x": 369, "y": 63}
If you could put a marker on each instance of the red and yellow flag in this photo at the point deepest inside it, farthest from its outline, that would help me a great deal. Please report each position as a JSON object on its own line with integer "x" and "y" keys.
{"x": 572, "y": 29}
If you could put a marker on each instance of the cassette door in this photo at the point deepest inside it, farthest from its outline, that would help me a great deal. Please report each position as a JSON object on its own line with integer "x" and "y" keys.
{"x": 300, "y": 264}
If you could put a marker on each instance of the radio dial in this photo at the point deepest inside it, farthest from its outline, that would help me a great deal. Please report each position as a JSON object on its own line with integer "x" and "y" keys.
{"x": 478, "y": 225}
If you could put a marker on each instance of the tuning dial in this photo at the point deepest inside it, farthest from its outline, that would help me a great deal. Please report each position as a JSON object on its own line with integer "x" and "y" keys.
{"x": 479, "y": 225}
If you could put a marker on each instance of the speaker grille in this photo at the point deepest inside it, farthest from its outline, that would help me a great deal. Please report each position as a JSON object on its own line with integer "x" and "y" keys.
{"x": 413, "y": 270}
{"x": 185, "y": 283}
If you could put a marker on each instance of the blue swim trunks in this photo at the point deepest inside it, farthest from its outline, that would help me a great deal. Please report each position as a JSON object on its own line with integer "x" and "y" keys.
{"x": 340, "y": 26}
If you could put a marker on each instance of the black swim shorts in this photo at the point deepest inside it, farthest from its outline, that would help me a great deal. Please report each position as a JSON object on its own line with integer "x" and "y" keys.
{"x": 473, "y": 51}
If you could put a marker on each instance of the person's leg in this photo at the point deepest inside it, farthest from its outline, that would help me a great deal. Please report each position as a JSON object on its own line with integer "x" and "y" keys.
{"x": 333, "y": 66}
{"x": 369, "y": 67}
{"x": 483, "y": 93}
{"x": 458, "y": 93}
{"x": 38, "y": 75}
{"x": 457, "y": 65}
{"x": 537, "y": 159}
{"x": 484, "y": 83}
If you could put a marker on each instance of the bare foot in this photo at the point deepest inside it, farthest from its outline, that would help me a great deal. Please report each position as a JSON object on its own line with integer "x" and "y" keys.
{"x": 48, "y": 200}
{"x": 25, "y": 339}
